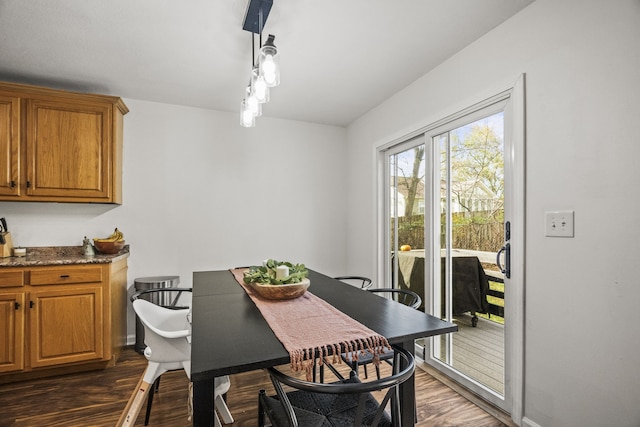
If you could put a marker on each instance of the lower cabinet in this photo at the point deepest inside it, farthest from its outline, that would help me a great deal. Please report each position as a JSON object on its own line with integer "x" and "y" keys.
{"x": 66, "y": 325}
{"x": 11, "y": 331}
{"x": 62, "y": 316}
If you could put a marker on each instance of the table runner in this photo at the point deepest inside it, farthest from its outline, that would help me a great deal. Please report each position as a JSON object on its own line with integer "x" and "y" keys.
{"x": 309, "y": 327}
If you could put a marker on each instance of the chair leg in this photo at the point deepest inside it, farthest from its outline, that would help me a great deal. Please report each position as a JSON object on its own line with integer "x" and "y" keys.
{"x": 223, "y": 409}
{"x": 260, "y": 409}
{"x": 131, "y": 410}
{"x": 366, "y": 374}
{"x": 154, "y": 387}
{"x": 334, "y": 371}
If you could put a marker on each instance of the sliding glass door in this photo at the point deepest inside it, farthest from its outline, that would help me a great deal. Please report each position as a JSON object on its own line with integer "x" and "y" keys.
{"x": 445, "y": 192}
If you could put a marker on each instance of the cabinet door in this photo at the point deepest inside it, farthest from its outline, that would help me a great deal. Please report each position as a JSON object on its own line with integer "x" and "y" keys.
{"x": 9, "y": 146}
{"x": 66, "y": 325}
{"x": 69, "y": 149}
{"x": 11, "y": 332}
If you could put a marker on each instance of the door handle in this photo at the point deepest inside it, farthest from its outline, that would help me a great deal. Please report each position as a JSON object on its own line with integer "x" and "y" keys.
{"x": 507, "y": 260}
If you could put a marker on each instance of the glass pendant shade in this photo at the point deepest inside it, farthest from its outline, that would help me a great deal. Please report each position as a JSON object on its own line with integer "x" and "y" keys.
{"x": 269, "y": 63}
{"x": 247, "y": 119}
{"x": 252, "y": 102}
{"x": 259, "y": 86}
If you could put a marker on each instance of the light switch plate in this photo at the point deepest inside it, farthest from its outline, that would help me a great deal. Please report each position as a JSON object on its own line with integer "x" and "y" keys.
{"x": 559, "y": 224}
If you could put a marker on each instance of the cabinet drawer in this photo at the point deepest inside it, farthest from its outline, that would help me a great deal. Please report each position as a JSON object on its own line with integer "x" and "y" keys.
{"x": 59, "y": 276}
{"x": 11, "y": 278}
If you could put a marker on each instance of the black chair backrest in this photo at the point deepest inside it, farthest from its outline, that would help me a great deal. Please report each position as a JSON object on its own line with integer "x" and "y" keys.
{"x": 403, "y": 296}
{"x": 401, "y": 373}
{"x": 365, "y": 282}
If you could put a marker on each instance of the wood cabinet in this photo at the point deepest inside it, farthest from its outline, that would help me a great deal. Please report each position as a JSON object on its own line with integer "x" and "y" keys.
{"x": 61, "y": 316}
{"x": 11, "y": 331}
{"x": 60, "y": 146}
{"x": 9, "y": 145}
{"x": 65, "y": 320}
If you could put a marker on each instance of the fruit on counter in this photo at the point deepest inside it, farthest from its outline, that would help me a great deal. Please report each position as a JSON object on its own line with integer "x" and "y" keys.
{"x": 405, "y": 248}
{"x": 116, "y": 236}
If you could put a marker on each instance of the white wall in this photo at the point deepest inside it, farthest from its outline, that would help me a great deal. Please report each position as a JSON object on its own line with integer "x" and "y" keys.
{"x": 203, "y": 193}
{"x": 582, "y": 65}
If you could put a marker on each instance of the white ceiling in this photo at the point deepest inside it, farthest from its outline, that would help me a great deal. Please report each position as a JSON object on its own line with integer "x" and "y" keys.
{"x": 339, "y": 58}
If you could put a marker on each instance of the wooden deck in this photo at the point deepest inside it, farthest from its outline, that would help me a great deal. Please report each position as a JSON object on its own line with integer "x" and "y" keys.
{"x": 479, "y": 352}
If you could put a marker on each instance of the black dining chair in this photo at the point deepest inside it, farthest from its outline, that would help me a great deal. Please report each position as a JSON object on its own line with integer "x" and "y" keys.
{"x": 403, "y": 296}
{"x": 346, "y": 402}
{"x": 363, "y": 282}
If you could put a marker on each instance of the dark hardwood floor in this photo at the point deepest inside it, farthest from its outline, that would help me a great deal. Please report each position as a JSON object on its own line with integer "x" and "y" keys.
{"x": 98, "y": 398}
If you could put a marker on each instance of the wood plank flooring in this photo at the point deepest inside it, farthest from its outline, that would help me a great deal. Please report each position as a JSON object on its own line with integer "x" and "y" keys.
{"x": 98, "y": 398}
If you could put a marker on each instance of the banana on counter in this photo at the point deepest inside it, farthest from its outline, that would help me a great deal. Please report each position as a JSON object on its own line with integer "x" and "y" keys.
{"x": 116, "y": 236}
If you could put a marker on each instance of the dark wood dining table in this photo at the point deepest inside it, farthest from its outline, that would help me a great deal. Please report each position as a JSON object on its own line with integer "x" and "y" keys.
{"x": 229, "y": 334}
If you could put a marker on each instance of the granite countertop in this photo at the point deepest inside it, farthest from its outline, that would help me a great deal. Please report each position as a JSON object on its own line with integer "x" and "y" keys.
{"x": 60, "y": 255}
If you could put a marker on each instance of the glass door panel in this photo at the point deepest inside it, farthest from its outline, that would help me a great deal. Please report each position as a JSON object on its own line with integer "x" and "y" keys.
{"x": 407, "y": 201}
{"x": 468, "y": 288}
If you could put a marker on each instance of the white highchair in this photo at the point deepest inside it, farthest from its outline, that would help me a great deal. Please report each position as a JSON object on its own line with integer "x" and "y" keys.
{"x": 168, "y": 340}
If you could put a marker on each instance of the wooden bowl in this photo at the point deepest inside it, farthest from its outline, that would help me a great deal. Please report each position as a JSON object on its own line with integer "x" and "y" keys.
{"x": 109, "y": 248}
{"x": 281, "y": 292}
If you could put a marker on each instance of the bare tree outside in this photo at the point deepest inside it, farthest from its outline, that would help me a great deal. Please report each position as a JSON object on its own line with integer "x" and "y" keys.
{"x": 477, "y": 164}
{"x": 477, "y": 187}
{"x": 412, "y": 181}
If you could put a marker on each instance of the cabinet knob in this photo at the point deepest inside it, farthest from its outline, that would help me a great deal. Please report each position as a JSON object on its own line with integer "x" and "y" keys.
{"x": 13, "y": 184}
{"x": 17, "y": 305}
{"x": 28, "y": 184}
{"x": 31, "y": 304}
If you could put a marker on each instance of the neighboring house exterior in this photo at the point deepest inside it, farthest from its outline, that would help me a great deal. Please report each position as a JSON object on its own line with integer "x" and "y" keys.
{"x": 401, "y": 193}
{"x": 468, "y": 196}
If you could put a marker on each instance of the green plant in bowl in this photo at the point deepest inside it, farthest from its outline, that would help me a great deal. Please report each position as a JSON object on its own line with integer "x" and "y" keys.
{"x": 266, "y": 274}
{"x": 265, "y": 281}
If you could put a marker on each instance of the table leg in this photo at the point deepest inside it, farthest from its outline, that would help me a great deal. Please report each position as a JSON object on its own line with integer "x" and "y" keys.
{"x": 203, "y": 407}
{"x": 408, "y": 391}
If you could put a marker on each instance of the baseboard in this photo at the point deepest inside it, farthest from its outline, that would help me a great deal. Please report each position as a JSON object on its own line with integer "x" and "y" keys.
{"x": 131, "y": 339}
{"x": 54, "y": 371}
{"x": 526, "y": 422}
{"x": 496, "y": 412}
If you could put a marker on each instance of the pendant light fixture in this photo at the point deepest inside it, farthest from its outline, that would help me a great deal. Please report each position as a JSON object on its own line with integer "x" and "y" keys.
{"x": 270, "y": 62}
{"x": 265, "y": 72}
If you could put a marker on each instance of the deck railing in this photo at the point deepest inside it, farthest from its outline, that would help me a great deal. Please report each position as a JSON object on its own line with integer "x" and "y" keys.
{"x": 495, "y": 295}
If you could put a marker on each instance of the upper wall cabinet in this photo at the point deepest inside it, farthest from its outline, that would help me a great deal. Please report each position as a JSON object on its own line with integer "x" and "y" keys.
{"x": 60, "y": 146}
